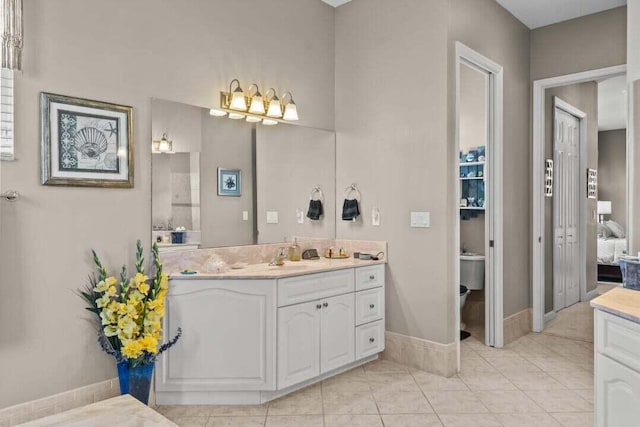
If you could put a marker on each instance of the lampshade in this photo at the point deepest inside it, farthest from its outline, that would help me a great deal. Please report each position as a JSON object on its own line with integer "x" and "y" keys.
{"x": 238, "y": 102}
{"x": 275, "y": 109}
{"x": 217, "y": 113}
{"x": 604, "y": 207}
{"x": 236, "y": 116}
{"x": 268, "y": 122}
{"x": 290, "y": 109}
{"x": 252, "y": 119}
{"x": 257, "y": 103}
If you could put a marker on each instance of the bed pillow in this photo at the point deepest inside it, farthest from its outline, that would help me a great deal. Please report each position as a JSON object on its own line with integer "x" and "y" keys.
{"x": 604, "y": 232}
{"x": 616, "y": 229}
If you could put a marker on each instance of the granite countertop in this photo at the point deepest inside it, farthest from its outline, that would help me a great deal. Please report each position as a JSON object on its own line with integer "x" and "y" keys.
{"x": 289, "y": 269}
{"x": 122, "y": 411}
{"x": 620, "y": 302}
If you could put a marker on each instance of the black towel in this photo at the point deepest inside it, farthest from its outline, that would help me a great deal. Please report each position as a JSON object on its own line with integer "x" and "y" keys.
{"x": 350, "y": 210}
{"x": 315, "y": 210}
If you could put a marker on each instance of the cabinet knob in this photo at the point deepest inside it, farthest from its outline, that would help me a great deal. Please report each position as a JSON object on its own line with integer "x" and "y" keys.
{"x": 372, "y": 277}
{"x": 372, "y": 340}
{"x": 326, "y": 304}
{"x": 318, "y": 306}
{"x": 372, "y": 306}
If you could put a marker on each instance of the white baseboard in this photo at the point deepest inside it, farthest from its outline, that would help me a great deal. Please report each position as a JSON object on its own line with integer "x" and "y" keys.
{"x": 549, "y": 316}
{"x": 592, "y": 294}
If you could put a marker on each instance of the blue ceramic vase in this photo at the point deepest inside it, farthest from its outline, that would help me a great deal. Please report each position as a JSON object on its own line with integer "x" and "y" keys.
{"x": 136, "y": 381}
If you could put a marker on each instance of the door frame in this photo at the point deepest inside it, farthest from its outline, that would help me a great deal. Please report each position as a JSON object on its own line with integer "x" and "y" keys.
{"x": 582, "y": 205}
{"x": 494, "y": 309}
{"x": 538, "y": 221}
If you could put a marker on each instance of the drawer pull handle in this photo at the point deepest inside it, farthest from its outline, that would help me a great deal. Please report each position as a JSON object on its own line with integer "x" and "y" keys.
{"x": 318, "y": 306}
{"x": 372, "y": 306}
{"x": 372, "y": 277}
{"x": 372, "y": 340}
{"x": 326, "y": 304}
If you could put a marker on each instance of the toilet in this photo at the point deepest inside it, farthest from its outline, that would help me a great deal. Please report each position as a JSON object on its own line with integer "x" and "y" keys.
{"x": 471, "y": 278}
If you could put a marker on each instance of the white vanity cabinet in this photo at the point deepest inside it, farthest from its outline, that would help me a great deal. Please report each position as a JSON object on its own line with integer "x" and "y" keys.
{"x": 617, "y": 371}
{"x": 247, "y": 341}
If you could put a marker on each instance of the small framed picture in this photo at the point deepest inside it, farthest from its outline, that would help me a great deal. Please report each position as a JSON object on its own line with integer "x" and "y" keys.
{"x": 85, "y": 143}
{"x": 229, "y": 182}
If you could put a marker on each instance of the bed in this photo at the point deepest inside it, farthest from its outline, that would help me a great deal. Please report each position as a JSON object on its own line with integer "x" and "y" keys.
{"x": 612, "y": 244}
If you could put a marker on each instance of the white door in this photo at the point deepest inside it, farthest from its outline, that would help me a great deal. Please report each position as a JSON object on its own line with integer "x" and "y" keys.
{"x": 566, "y": 214}
{"x": 298, "y": 343}
{"x": 337, "y": 333}
{"x": 617, "y": 394}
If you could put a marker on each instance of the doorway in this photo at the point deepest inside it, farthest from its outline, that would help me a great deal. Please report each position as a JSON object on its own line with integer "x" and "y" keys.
{"x": 553, "y": 233}
{"x": 477, "y": 179}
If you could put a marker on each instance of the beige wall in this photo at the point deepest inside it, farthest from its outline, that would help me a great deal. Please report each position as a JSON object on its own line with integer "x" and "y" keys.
{"x": 633, "y": 40}
{"x": 633, "y": 77}
{"x": 584, "y": 97}
{"x": 612, "y": 172}
{"x": 505, "y": 41}
{"x": 391, "y": 140}
{"x": 118, "y": 51}
{"x": 587, "y": 43}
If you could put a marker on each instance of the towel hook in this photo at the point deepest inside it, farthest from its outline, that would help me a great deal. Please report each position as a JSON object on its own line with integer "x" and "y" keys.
{"x": 10, "y": 195}
{"x": 315, "y": 190}
{"x": 351, "y": 188}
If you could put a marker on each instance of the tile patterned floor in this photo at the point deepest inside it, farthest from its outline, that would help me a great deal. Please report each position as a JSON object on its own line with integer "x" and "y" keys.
{"x": 539, "y": 380}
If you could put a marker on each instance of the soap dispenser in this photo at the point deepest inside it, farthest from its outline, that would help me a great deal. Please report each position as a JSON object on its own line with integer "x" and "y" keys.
{"x": 294, "y": 251}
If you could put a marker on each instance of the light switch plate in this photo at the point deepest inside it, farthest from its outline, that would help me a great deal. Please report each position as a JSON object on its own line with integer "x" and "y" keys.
{"x": 272, "y": 217}
{"x": 420, "y": 219}
{"x": 245, "y": 215}
{"x": 375, "y": 217}
{"x": 300, "y": 216}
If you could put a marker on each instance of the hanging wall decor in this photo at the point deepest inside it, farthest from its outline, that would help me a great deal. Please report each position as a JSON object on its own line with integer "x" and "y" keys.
{"x": 548, "y": 178}
{"x": 592, "y": 184}
{"x": 85, "y": 143}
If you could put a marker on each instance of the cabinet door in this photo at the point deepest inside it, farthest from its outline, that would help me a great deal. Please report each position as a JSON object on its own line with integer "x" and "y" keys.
{"x": 337, "y": 334}
{"x": 298, "y": 343}
{"x": 617, "y": 394}
{"x": 228, "y": 340}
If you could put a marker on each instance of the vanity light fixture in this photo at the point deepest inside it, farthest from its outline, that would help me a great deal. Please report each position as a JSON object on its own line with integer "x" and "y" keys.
{"x": 164, "y": 145}
{"x": 269, "y": 110}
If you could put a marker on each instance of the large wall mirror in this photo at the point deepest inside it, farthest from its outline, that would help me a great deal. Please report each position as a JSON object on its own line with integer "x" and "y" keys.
{"x": 269, "y": 174}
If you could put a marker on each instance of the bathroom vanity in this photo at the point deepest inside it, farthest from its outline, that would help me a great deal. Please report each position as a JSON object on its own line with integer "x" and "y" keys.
{"x": 253, "y": 334}
{"x": 617, "y": 358}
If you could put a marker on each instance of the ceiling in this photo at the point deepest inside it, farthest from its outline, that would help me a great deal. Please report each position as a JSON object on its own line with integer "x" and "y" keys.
{"x": 538, "y": 13}
{"x": 612, "y": 103}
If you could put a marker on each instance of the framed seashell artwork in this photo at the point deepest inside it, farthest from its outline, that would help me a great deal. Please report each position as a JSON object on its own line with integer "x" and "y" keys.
{"x": 85, "y": 143}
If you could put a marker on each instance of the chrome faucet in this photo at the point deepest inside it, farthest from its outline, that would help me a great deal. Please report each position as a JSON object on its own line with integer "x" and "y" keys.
{"x": 280, "y": 257}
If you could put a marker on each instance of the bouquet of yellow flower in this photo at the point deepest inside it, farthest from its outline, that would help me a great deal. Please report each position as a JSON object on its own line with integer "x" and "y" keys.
{"x": 130, "y": 310}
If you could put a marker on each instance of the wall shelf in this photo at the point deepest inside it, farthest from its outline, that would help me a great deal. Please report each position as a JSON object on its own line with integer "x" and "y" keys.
{"x": 471, "y": 208}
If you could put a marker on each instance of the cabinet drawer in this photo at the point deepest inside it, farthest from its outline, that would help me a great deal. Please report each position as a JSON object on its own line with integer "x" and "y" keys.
{"x": 369, "y": 277}
{"x": 618, "y": 338}
{"x": 294, "y": 290}
{"x": 369, "y": 339}
{"x": 369, "y": 305}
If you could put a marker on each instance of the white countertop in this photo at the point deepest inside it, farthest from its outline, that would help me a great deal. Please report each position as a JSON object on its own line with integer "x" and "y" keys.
{"x": 121, "y": 411}
{"x": 620, "y": 302}
{"x": 290, "y": 269}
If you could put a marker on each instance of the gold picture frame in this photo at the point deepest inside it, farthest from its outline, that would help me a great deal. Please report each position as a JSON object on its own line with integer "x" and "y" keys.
{"x": 85, "y": 143}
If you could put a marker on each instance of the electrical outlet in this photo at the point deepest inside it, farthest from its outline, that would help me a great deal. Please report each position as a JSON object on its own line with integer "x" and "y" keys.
{"x": 272, "y": 217}
{"x": 245, "y": 215}
{"x": 375, "y": 217}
